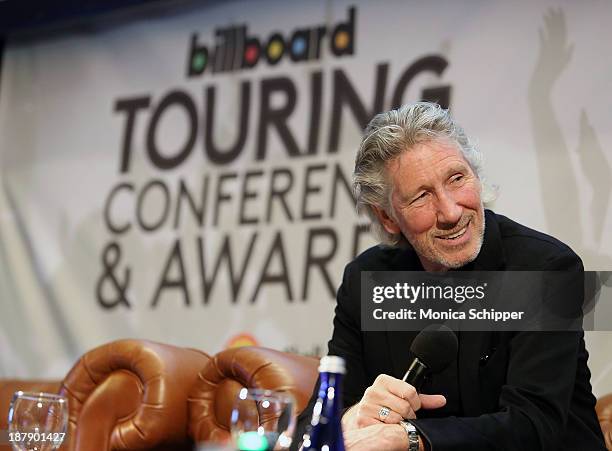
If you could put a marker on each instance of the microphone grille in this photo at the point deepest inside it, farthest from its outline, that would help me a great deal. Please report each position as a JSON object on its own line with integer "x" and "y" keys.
{"x": 435, "y": 346}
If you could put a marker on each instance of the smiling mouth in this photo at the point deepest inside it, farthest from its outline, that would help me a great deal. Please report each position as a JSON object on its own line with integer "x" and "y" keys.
{"x": 455, "y": 235}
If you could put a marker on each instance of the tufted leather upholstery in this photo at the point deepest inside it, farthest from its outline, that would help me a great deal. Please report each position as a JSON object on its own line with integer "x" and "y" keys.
{"x": 604, "y": 413}
{"x": 131, "y": 394}
{"x": 212, "y": 397}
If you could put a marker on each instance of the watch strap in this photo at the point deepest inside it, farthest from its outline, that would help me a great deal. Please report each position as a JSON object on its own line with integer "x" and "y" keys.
{"x": 413, "y": 435}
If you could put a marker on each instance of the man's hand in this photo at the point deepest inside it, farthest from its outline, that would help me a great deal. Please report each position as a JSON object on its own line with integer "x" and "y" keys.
{"x": 399, "y": 396}
{"x": 376, "y": 437}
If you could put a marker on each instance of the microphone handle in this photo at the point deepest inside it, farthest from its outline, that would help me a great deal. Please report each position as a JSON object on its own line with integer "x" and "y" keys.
{"x": 415, "y": 375}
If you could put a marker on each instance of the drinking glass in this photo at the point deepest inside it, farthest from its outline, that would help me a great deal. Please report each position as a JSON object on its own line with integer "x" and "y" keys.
{"x": 37, "y": 421}
{"x": 262, "y": 420}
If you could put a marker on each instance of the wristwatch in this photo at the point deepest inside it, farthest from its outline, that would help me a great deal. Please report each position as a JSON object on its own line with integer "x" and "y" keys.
{"x": 413, "y": 435}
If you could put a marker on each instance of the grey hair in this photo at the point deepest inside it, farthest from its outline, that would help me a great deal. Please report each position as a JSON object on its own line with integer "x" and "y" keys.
{"x": 388, "y": 135}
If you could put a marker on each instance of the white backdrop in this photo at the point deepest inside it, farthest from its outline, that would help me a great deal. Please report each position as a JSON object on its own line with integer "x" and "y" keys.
{"x": 530, "y": 83}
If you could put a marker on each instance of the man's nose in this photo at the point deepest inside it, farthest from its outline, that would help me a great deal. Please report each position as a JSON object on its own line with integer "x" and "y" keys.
{"x": 449, "y": 211}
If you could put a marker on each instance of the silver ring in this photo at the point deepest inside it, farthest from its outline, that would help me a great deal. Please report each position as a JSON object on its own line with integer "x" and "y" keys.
{"x": 383, "y": 413}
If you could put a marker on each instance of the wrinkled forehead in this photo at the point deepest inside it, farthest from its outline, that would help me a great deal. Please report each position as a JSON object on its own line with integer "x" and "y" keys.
{"x": 427, "y": 158}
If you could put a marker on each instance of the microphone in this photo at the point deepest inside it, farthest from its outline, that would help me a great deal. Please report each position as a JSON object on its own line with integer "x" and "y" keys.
{"x": 434, "y": 348}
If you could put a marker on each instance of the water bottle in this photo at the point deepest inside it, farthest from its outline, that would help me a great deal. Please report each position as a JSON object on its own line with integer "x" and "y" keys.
{"x": 326, "y": 432}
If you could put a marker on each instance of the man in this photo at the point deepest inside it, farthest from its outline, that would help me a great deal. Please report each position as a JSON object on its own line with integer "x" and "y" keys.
{"x": 419, "y": 178}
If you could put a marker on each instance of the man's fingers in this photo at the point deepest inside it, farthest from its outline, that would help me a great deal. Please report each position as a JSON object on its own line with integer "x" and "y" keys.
{"x": 402, "y": 390}
{"x": 432, "y": 401}
{"x": 374, "y": 412}
{"x": 380, "y": 396}
{"x": 399, "y": 396}
{"x": 410, "y": 415}
{"x": 365, "y": 421}
{"x": 393, "y": 418}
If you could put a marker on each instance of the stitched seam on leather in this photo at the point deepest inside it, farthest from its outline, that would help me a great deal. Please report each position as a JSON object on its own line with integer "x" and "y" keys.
{"x": 140, "y": 432}
{"x": 216, "y": 367}
{"x": 199, "y": 352}
{"x": 219, "y": 425}
{"x": 252, "y": 377}
{"x": 88, "y": 372}
{"x": 210, "y": 382}
{"x": 233, "y": 365}
{"x": 71, "y": 393}
{"x": 121, "y": 438}
{"x": 146, "y": 385}
{"x": 213, "y": 385}
{"x": 138, "y": 409}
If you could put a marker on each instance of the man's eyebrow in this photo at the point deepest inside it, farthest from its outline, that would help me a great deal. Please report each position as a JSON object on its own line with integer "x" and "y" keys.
{"x": 413, "y": 192}
{"x": 454, "y": 168}
{"x": 457, "y": 167}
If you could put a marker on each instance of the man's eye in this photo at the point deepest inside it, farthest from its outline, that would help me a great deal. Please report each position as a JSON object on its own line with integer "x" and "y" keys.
{"x": 420, "y": 197}
{"x": 457, "y": 178}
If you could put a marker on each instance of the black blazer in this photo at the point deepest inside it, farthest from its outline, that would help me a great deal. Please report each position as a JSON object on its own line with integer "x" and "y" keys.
{"x": 507, "y": 390}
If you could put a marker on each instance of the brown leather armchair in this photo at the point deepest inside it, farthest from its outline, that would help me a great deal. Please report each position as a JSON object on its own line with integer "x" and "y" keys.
{"x": 604, "y": 413}
{"x": 128, "y": 394}
{"x": 212, "y": 397}
{"x": 131, "y": 394}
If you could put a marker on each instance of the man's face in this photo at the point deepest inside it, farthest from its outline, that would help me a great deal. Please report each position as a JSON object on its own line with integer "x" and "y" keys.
{"x": 436, "y": 204}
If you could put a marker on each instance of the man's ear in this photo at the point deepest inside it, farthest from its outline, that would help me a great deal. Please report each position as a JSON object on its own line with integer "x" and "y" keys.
{"x": 387, "y": 221}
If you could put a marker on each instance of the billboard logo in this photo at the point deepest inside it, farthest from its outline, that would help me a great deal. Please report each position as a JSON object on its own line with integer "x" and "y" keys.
{"x": 237, "y": 49}
{"x": 240, "y": 340}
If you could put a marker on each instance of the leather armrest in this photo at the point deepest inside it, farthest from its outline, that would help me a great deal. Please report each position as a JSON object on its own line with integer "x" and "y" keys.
{"x": 130, "y": 394}
{"x": 212, "y": 397}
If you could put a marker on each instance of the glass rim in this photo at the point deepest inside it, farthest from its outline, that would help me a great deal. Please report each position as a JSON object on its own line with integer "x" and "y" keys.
{"x": 251, "y": 393}
{"x": 39, "y": 396}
